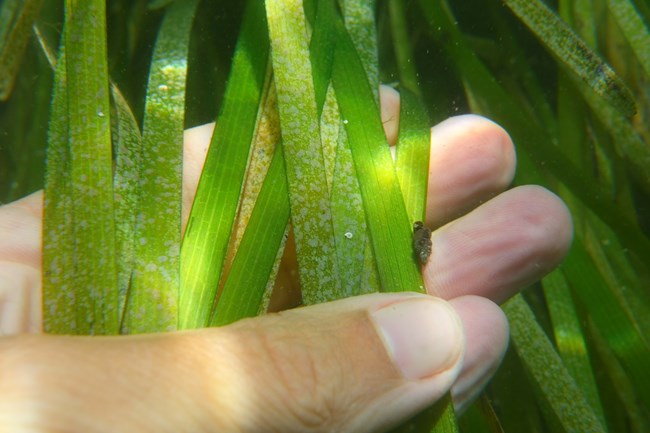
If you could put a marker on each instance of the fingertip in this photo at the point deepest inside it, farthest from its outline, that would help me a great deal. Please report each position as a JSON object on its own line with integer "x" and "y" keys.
{"x": 423, "y": 336}
{"x": 472, "y": 159}
{"x": 548, "y": 224}
{"x": 477, "y": 134}
{"x": 500, "y": 247}
{"x": 557, "y": 219}
{"x": 486, "y": 332}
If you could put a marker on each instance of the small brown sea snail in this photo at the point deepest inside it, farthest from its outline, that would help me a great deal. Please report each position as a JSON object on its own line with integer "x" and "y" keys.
{"x": 421, "y": 241}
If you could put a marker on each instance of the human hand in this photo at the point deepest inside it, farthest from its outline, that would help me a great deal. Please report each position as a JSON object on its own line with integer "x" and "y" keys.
{"x": 359, "y": 364}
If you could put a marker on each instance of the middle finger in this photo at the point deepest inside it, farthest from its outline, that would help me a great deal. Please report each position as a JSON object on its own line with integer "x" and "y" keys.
{"x": 500, "y": 247}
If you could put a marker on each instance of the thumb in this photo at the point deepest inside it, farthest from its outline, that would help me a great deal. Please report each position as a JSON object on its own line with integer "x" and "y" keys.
{"x": 359, "y": 364}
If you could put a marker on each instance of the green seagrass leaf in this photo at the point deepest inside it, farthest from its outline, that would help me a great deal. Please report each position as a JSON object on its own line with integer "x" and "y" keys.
{"x": 16, "y": 20}
{"x": 569, "y": 49}
{"x": 80, "y": 294}
{"x": 209, "y": 228}
{"x": 152, "y": 301}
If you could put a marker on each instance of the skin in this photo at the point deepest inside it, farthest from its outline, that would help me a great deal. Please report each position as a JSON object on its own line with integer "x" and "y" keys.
{"x": 361, "y": 364}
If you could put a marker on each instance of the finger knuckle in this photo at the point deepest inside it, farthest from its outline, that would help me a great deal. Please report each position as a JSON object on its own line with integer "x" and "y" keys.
{"x": 303, "y": 387}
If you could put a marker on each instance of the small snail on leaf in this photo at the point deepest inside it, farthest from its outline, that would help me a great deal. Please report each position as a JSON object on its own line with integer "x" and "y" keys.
{"x": 421, "y": 241}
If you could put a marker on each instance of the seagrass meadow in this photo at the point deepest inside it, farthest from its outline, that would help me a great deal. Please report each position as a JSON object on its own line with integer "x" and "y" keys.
{"x": 95, "y": 95}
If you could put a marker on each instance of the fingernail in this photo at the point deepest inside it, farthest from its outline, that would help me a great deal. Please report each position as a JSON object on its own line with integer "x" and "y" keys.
{"x": 423, "y": 336}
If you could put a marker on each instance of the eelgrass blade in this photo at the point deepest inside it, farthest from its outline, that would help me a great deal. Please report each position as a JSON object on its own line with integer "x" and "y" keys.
{"x": 350, "y": 227}
{"x": 158, "y": 4}
{"x": 359, "y": 19}
{"x": 412, "y": 154}
{"x": 48, "y": 51}
{"x": 570, "y": 339}
{"x": 253, "y": 264}
{"x": 402, "y": 46}
{"x": 582, "y": 19}
{"x": 311, "y": 214}
{"x": 348, "y": 218}
{"x": 608, "y": 310}
{"x": 480, "y": 418}
{"x": 127, "y": 142}
{"x": 389, "y": 223}
{"x": 543, "y": 363}
{"x": 152, "y": 303}
{"x": 532, "y": 97}
{"x": 386, "y": 214}
{"x": 321, "y": 50}
{"x": 625, "y": 410}
{"x": 267, "y": 137}
{"x": 489, "y": 98}
{"x": 486, "y": 84}
{"x": 624, "y": 281}
{"x": 23, "y": 122}
{"x": 213, "y": 213}
{"x": 569, "y": 49}
{"x": 331, "y": 131}
{"x": 635, "y": 30}
{"x": 628, "y": 344}
{"x": 511, "y": 383}
{"x": 59, "y": 300}
{"x": 16, "y": 19}
{"x": 260, "y": 236}
{"x": 128, "y": 152}
{"x": 93, "y": 293}
{"x": 627, "y": 140}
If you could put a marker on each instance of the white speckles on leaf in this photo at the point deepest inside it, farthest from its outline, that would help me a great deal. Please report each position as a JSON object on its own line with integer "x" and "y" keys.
{"x": 305, "y": 165}
{"x": 155, "y": 282}
{"x": 78, "y": 287}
